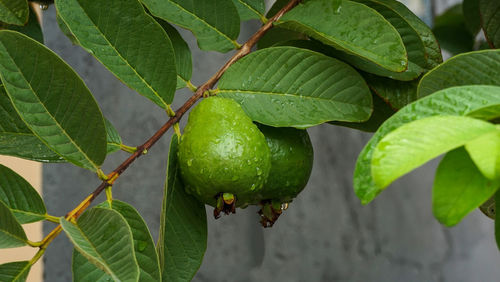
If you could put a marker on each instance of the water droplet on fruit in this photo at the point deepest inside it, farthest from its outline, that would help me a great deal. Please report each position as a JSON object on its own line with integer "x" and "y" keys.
{"x": 259, "y": 171}
{"x": 190, "y": 162}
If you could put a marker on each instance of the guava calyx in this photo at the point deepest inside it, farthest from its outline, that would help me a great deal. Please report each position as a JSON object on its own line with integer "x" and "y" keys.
{"x": 270, "y": 212}
{"x": 226, "y": 203}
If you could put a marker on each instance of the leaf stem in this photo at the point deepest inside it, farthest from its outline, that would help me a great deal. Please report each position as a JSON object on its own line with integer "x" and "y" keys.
{"x": 191, "y": 86}
{"x": 52, "y": 218}
{"x": 34, "y": 244}
{"x": 128, "y": 149}
{"x": 209, "y": 84}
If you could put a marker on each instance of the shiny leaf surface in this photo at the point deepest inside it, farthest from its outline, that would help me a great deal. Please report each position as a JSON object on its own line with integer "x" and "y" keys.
{"x": 287, "y": 86}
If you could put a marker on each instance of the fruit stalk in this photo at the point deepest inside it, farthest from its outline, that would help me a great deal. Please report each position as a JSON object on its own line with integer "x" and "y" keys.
{"x": 113, "y": 176}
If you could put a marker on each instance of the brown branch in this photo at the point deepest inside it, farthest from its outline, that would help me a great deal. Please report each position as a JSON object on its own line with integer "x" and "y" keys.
{"x": 243, "y": 51}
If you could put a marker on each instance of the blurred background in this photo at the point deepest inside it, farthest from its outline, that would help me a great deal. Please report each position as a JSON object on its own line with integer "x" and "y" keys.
{"x": 325, "y": 235}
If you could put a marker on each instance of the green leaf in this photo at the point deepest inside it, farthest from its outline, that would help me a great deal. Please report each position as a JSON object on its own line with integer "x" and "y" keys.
{"x": 21, "y": 198}
{"x": 145, "y": 251}
{"x": 497, "y": 219}
{"x": 451, "y": 31}
{"x": 250, "y": 9}
{"x": 278, "y": 36}
{"x": 52, "y": 100}
{"x": 215, "y": 23}
{"x": 11, "y": 233}
{"x": 142, "y": 57}
{"x": 411, "y": 39}
{"x": 433, "y": 52}
{"x": 354, "y": 28}
{"x": 381, "y": 112}
{"x": 419, "y": 141}
{"x": 490, "y": 17}
{"x": 14, "y": 11}
{"x": 457, "y": 101}
{"x": 470, "y": 10}
{"x": 485, "y": 152}
{"x": 183, "y": 226}
{"x": 16, "y": 139}
{"x": 65, "y": 29}
{"x": 83, "y": 270}
{"x": 113, "y": 137}
{"x": 479, "y": 67}
{"x": 14, "y": 271}
{"x": 287, "y": 86}
{"x": 486, "y": 113}
{"x": 459, "y": 188}
{"x": 104, "y": 237}
{"x": 183, "y": 61}
{"x": 396, "y": 93}
{"x": 31, "y": 29}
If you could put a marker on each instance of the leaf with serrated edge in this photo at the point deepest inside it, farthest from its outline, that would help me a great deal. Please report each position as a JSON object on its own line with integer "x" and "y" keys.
{"x": 457, "y": 101}
{"x": 183, "y": 226}
{"x": 21, "y": 198}
{"x": 287, "y": 86}
{"x": 127, "y": 41}
{"x": 490, "y": 20}
{"x": 11, "y": 232}
{"x": 485, "y": 152}
{"x": 479, "y": 67}
{"x": 459, "y": 188}
{"x": 104, "y": 237}
{"x": 14, "y": 11}
{"x": 354, "y": 28}
{"x": 145, "y": 252}
{"x": 15, "y": 271}
{"x": 417, "y": 142}
{"x": 52, "y": 100}
{"x": 250, "y": 9}
{"x": 215, "y": 23}
{"x": 183, "y": 60}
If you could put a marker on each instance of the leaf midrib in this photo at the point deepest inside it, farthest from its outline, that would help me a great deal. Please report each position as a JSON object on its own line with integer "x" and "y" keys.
{"x": 327, "y": 37}
{"x": 150, "y": 87}
{"x": 48, "y": 113}
{"x": 204, "y": 22}
{"x": 102, "y": 261}
{"x": 294, "y": 95}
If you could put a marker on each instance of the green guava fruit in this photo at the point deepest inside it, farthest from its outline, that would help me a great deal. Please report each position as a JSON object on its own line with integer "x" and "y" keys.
{"x": 224, "y": 158}
{"x": 291, "y": 165}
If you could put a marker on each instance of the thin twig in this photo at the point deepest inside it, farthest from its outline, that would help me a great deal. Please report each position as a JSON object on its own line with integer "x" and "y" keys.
{"x": 112, "y": 177}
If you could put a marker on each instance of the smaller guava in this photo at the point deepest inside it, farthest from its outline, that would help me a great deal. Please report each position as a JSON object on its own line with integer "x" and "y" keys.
{"x": 291, "y": 165}
{"x": 224, "y": 158}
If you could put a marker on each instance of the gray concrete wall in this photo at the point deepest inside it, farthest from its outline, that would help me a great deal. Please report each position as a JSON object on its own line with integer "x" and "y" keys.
{"x": 325, "y": 235}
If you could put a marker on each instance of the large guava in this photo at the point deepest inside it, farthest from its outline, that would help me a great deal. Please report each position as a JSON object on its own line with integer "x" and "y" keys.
{"x": 291, "y": 165}
{"x": 224, "y": 158}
